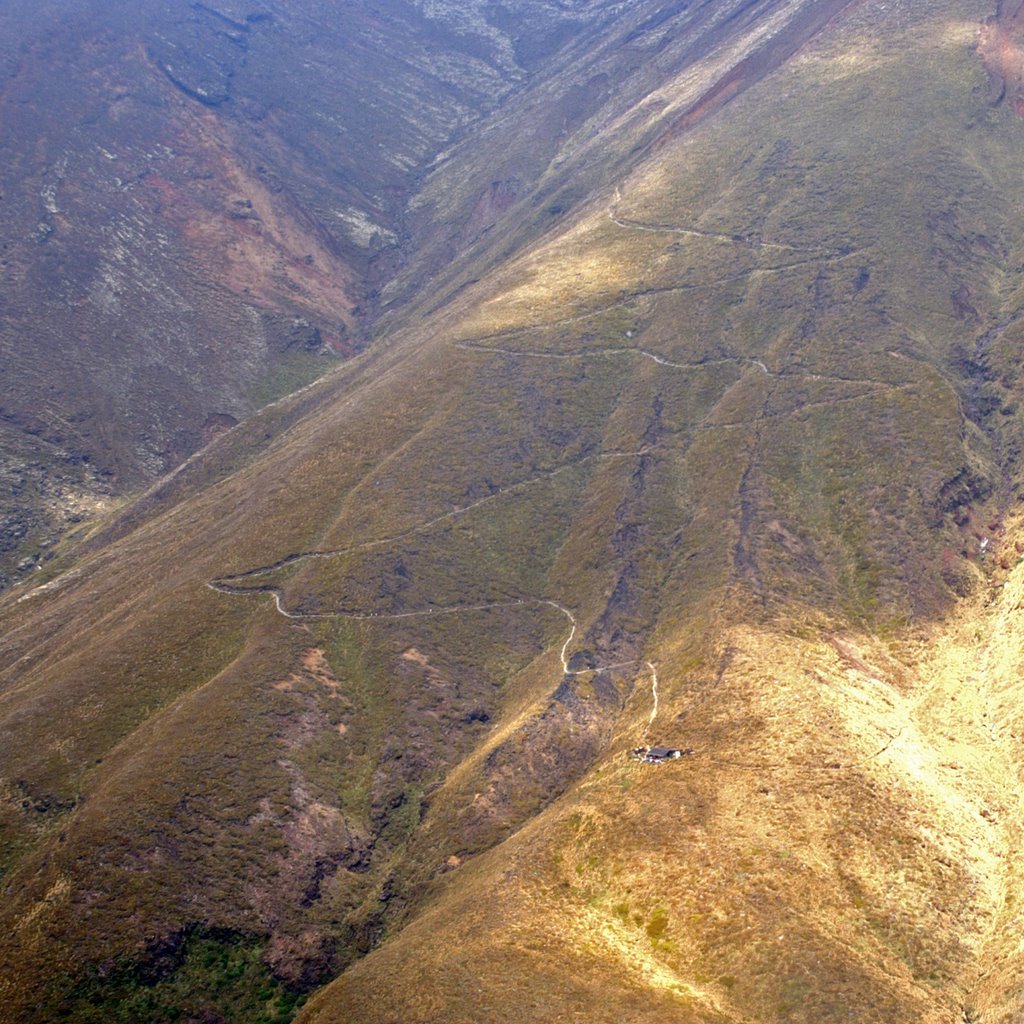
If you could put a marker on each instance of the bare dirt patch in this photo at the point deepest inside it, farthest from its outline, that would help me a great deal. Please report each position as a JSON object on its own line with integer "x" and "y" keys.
{"x": 1001, "y": 47}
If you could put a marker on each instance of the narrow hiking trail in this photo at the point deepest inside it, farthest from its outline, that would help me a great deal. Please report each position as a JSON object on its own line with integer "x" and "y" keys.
{"x": 654, "y": 697}
{"x": 714, "y": 236}
{"x": 234, "y": 584}
{"x": 564, "y": 656}
{"x": 878, "y": 387}
{"x": 246, "y": 583}
{"x": 816, "y": 257}
{"x": 224, "y": 583}
{"x": 470, "y": 346}
{"x": 481, "y": 343}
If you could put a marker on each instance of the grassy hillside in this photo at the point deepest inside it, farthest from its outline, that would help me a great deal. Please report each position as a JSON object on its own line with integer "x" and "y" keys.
{"x": 201, "y": 202}
{"x": 722, "y": 456}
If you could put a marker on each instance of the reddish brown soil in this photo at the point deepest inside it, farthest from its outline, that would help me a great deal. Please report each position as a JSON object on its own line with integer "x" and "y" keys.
{"x": 1001, "y": 47}
{"x": 754, "y": 67}
{"x": 496, "y": 201}
{"x": 260, "y": 246}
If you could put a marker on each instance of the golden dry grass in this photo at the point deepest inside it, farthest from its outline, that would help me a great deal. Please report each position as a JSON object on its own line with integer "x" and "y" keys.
{"x": 768, "y": 511}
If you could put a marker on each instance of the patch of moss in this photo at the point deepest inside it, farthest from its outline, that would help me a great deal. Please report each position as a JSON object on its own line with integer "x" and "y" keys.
{"x": 202, "y": 975}
{"x": 658, "y": 924}
{"x": 295, "y": 370}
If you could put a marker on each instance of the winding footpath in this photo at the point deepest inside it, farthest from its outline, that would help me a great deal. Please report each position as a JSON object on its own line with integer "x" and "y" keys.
{"x": 480, "y": 344}
{"x": 741, "y": 361}
{"x": 226, "y": 584}
{"x": 714, "y": 236}
{"x": 235, "y": 584}
{"x": 462, "y": 609}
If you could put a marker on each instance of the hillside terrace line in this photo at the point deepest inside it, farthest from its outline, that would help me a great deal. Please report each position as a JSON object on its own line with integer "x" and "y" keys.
{"x": 231, "y": 584}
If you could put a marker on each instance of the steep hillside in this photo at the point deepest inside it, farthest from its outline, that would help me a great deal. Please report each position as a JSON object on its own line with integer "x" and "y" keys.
{"x": 704, "y": 433}
{"x": 200, "y": 203}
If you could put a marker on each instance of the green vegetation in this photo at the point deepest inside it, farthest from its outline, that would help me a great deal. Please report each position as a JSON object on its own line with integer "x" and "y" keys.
{"x": 295, "y": 370}
{"x": 657, "y": 925}
{"x": 212, "y": 975}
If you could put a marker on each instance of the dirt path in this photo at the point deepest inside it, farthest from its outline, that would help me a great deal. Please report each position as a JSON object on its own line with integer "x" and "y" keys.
{"x": 225, "y": 584}
{"x": 234, "y": 584}
{"x": 654, "y": 697}
{"x": 741, "y": 361}
{"x": 470, "y": 346}
{"x": 462, "y": 609}
{"x": 748, "y": 241}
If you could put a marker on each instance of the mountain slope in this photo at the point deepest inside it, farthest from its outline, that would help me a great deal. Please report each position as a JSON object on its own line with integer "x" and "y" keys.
{"x": 188, "y": 236}
{"x": 721, "y": 455}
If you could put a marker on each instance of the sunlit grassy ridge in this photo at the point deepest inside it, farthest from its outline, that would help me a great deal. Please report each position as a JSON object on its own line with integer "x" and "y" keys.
{"x": 732, "y": 419}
